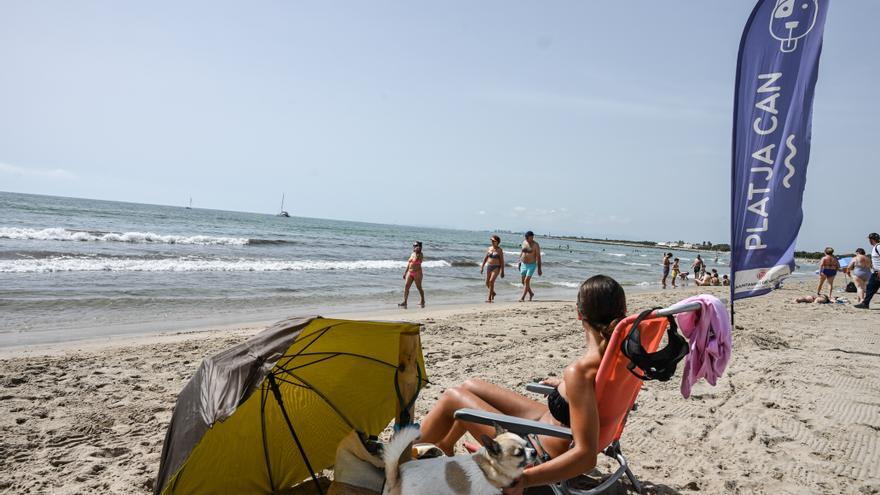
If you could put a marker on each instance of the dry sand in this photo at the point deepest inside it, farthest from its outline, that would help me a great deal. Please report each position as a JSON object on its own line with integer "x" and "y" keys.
{"x": 797, "y": 412}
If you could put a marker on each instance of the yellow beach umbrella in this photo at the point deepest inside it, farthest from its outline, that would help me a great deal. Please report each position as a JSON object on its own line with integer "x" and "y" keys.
{"x": 267, "y": 414}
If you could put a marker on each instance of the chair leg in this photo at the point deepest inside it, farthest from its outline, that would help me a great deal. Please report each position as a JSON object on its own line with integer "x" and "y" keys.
{"x": 637, "y": 485}
{"x": 560, "y": 488}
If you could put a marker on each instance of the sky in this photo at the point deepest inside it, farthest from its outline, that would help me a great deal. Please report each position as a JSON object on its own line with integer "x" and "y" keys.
{"x": 603, "y": 119}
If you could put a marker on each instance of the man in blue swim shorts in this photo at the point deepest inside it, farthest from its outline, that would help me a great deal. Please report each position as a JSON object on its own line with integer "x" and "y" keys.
{"x": 527, "y": 269}
{"x": 529, "y": 262}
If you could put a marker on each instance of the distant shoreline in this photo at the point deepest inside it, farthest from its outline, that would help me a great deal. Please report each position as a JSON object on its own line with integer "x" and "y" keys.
{"x": 634, "y": 244}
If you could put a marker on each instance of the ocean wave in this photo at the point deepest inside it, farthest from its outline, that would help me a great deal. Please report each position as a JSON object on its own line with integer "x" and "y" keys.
{"x": 464, "y": 263}
{"x": 193, "y": 264}
{"x": 619, "y": 255}
{"x": 273, "y": 242}
{"x": 61, "y": 234}
{"x": 573, "y": 285}
{"x": 636, "y": 264}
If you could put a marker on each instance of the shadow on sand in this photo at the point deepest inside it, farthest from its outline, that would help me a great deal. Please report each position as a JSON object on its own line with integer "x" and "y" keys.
{"x": 860, "y": 353}
{"x": 622, "y": 487}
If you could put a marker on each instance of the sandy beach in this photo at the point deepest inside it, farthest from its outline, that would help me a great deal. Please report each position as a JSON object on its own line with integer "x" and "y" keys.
{"x": 798, "y": 410}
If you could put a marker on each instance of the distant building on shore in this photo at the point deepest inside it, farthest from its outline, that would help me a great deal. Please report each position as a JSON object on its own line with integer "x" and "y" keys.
{"x": 677, "y": 244}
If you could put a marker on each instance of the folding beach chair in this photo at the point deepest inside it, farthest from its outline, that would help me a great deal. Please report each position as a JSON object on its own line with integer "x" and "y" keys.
{"x": 616, "y": 391}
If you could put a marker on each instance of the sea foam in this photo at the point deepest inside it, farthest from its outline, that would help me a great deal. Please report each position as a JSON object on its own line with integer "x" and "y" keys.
{"x": 573, "y": 285}
{"x": 194, "y": 264}
{"x": 61, "y": 234}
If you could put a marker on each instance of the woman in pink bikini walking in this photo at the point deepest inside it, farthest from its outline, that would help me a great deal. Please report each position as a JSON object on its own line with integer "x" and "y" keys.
{"x": 413, "y": 273}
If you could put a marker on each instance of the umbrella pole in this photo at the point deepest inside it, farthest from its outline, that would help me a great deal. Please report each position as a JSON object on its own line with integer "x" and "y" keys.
{"x": 264, "y": 397}
{"x": 277, "y": 392}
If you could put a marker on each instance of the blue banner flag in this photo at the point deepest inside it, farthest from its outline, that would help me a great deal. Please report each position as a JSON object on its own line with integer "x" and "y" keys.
{"x": 773, "y": 105}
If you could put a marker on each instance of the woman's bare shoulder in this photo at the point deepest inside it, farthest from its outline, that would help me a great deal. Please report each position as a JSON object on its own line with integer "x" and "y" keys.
{"x": 584, "y": 369}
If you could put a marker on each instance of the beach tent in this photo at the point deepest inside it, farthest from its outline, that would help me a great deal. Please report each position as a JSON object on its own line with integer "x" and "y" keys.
{"x": 268, "y": 413}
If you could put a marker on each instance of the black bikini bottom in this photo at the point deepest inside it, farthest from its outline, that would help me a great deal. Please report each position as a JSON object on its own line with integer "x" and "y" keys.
{"x": 558, "y": 407}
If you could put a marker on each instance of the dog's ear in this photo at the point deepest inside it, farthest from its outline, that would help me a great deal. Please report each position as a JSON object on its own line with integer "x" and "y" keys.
{"x": 499, "y": 430}
{"x": 491, "y": 445}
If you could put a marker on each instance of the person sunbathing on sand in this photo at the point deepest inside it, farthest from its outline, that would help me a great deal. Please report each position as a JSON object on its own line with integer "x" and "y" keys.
{"x": 601, "y": 305}
{"x": 817, "y": 299}
{"x": 705, "y": 280}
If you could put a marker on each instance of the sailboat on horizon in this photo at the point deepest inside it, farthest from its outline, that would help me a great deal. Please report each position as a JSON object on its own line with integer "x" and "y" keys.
{"x": 283, "y": 213}
{"x": 190, "y": 207}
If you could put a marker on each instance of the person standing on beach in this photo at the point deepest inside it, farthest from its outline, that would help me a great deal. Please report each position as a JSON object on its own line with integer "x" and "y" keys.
{"x": 413, "y": 273}
{"x": 494, "y": 263}
{"x": 529, "y": 261}
{"x": 860, "y": 269}
{"x": 667, "y": 262}
{"x": 698, "y": 267}
{"x": 874, "y": 281}
{"x": 676, "y": 269}
{"x": 827, "y": 271}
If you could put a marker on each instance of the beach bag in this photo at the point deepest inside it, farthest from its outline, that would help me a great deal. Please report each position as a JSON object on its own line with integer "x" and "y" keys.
{"x": 658, "y": 365}
{"x": 851, "y": 287}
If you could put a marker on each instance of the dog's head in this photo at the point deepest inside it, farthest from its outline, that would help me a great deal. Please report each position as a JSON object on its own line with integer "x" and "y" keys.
{"x": 509, "y": 453}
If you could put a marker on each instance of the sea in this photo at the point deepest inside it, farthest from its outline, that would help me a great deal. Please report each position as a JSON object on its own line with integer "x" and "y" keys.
{"x": 75, "y": 269}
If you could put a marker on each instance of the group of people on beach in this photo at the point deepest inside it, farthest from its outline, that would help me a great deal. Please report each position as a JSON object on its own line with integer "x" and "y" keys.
{"x": 863, "y": 268}
{"x": 492, "y": 265}
{"x": 701, "y": 275}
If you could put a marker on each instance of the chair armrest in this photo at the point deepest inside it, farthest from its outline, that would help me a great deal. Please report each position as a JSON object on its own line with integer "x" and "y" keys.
{"x": 512, "y": 423}
{"x": 540, "y": 388}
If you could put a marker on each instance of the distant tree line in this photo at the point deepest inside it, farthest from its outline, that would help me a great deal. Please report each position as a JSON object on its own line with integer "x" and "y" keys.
{"x": 705, "y": 245}
{"x": 588, "y": 239}
{"x": 817, "y": 255}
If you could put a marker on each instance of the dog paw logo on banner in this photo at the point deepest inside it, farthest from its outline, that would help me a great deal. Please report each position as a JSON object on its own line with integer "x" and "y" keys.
{"x": 792, "y": 20}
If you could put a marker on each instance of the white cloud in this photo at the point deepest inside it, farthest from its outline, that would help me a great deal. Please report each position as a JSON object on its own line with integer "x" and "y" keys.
{"x": 519, "y": 209}
{"x": 55, "y": 173}
{"x": 481, "y": 212}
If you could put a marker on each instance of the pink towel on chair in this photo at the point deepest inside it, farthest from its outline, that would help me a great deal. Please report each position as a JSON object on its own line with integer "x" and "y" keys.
{"x": 708, "y": 334}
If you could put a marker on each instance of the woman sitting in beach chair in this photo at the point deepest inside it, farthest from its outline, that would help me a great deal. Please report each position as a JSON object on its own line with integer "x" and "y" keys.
{"x": 601, "y": 304}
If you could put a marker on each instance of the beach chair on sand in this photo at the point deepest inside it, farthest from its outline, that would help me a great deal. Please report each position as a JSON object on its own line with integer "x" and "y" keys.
{"x": 616, "y": 391}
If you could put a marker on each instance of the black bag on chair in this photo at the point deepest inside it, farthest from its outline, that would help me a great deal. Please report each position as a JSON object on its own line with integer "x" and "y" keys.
{"x": 658, "y": 365}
